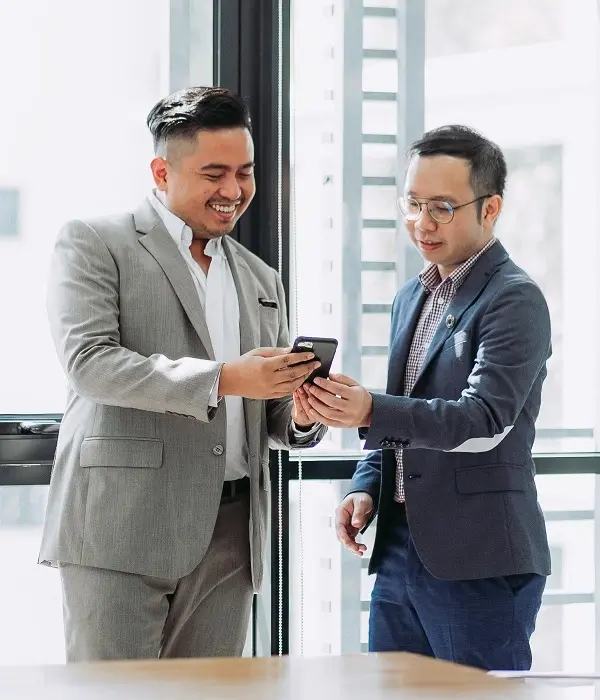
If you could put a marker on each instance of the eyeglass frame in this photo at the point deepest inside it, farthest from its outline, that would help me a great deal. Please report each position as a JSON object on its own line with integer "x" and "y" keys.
{"x": 428, "y": 201}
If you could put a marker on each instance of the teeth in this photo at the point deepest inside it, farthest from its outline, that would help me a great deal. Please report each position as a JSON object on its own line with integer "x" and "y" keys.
{"x": 224, "y": 210}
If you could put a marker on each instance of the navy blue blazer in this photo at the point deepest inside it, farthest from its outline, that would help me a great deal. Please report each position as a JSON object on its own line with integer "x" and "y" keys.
{"x": 467, "y": 428}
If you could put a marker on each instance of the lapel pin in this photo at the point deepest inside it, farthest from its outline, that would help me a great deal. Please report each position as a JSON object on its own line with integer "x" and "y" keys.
{"x": 449, "y": 321}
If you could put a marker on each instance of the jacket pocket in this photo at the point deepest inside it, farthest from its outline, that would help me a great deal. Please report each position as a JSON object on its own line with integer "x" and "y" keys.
{"x": 496, "y": 477}
{"x": 456, "y": 343}
{"x": 121, "y": 452}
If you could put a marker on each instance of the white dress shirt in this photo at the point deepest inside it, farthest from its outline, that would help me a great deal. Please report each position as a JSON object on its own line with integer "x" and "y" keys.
{"x": 218, "y": 297}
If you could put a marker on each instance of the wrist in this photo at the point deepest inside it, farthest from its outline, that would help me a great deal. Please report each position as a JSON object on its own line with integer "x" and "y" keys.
{"x": 366, "y": 420}
{"x": 303, "y": 427}
{"x": 226, "y": 380}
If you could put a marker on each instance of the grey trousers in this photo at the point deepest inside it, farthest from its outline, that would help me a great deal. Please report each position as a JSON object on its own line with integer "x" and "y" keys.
{"x": 116, "y": 615}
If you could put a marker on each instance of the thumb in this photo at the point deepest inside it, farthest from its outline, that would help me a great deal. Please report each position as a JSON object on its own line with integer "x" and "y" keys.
{"x": 343, "y": 379}
{"x": 359, "y": 516}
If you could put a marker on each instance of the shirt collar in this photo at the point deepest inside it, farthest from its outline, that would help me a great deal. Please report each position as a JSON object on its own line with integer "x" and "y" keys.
{"x": 179, "y": 231}
{"x": 431, "y": 280}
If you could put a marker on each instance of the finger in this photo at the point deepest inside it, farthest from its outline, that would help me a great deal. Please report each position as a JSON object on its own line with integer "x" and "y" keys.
{"x": 359, "y": 518}
{"x": 343, "y": 379}
{"x": 303, "y": 400}
{"x": 334, "y": 388}
{"x": 269, "y": 352}
{"x": 325, "y": 397}
{"x": 324, "y": 414}
{"x": 293, "y": 358}
{"x": 349, "y": 542}
{"x": 294, "y": 377}
{"x": 325, "y": 410}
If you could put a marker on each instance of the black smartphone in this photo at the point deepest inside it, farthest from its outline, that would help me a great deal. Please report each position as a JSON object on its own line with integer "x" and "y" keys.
{"x": 323, "y": 349}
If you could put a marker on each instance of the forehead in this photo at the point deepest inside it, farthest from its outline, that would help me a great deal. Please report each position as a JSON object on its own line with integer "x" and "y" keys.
{"x": 435, "y": 176}
{"x": 231, "y": 147}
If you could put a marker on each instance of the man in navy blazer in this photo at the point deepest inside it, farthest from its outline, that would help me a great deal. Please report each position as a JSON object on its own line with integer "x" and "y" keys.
{"x": 461, "y": 552}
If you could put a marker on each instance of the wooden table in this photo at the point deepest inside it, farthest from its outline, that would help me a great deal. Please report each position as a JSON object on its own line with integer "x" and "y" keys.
{"x": 364, "y": 677}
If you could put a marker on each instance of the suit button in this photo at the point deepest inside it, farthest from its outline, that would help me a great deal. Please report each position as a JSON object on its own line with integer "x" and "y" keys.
{"x": 218, "y": 450}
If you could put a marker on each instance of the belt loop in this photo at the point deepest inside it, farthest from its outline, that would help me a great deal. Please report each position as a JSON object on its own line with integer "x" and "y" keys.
{"x": 232, "y": 488}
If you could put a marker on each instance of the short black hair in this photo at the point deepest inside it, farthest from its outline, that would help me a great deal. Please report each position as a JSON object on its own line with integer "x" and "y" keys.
{"x": 184, "y": 113}
{"x": 485, "y": 158}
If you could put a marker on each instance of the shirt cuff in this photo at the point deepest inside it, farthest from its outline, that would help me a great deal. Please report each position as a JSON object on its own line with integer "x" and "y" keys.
{"x": 214, "y": 398}
{"x": 307, "y": 435}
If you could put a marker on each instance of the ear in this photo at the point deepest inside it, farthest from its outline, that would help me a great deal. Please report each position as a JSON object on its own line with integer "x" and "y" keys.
{"x": 159, "y": 172}
{"x": 492, "y": 207}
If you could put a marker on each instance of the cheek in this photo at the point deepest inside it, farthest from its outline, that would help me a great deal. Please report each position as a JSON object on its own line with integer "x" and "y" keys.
{"x": 248, "y": 190}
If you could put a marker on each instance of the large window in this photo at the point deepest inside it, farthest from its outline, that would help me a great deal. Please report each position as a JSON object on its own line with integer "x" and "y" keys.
{"x": 78, "y": 79}
{"x": 368, "y": 77}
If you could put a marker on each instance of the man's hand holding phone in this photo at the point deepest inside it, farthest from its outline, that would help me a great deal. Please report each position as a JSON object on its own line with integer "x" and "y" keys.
{"x": 266, "y": 373}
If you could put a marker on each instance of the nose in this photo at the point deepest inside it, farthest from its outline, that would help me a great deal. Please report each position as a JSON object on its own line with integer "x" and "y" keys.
{"x": 425, "y": 222}
{"x": 230, "y": 189}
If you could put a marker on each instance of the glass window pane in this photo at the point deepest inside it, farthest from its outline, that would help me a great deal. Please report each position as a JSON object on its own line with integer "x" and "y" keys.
{"x": 378, "y": 287}
{"x": 454, "y": 26}
{"x": 73, "y": 143}
{"x": 378, "y": 244}
{"x": 32, "y": 620}
{"x": 379, "y": 202}
{"x": 549, "y": 154}
{"x": 379, "y": 117}
{"x": 380, "y": 75}
{"x": 380, "y": 160}
{"x": 380, "y": 33}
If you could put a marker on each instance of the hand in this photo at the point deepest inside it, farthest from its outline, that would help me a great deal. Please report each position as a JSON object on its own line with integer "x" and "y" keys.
{"x": 266, "y": 373}
{"x": 340, "y": 402}
{"x": 350, "y": 517}
{"x": 301, "y": 406}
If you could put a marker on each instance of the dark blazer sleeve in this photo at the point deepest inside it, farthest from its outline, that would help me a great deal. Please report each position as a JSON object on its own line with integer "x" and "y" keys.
{"x": 514, "y": 344}
{"x": 367, "y": 476}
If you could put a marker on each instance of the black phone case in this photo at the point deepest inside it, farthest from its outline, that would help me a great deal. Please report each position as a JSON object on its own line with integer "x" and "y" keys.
{"x": 324, "y": 350}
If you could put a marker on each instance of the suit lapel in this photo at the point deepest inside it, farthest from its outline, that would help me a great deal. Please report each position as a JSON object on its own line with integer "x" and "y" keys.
{"x": 467, "y": 295}
{"x": 157, "y": 241}
{"x": 247, "y": 294}
{"x": 406, "y": 321}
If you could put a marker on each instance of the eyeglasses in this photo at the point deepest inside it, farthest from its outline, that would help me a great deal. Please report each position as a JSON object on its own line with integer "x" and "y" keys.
{"x": 442, "y": 212}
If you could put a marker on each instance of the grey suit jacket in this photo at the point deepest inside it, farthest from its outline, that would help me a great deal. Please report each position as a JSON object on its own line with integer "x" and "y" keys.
{"x": 140, "y": 461}
{"x": 467, "y": 428}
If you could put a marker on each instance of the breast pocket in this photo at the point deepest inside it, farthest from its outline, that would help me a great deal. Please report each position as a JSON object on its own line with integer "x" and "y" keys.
{"x": 457, "y": 345}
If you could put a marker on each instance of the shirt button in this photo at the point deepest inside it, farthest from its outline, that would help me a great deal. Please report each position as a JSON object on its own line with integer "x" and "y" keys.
{"x": 218, "y": 450}
{"x": 440, "y": 301}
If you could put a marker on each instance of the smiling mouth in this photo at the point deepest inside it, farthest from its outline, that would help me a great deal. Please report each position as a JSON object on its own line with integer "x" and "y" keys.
{"x": 225, "y": 208}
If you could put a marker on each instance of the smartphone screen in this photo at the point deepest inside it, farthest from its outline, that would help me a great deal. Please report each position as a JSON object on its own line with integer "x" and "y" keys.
{"x": 323, "y": 349}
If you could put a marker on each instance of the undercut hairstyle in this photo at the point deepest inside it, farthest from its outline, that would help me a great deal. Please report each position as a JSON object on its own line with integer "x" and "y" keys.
{"x": 180, "y": 116}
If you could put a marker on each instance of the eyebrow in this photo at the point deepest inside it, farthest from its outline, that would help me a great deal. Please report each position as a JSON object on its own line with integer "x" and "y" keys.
{"x": 436, "y": 198}
{"x": 222, "y": 166}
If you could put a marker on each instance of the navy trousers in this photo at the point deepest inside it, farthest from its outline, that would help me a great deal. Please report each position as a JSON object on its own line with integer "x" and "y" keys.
{"x": 486, "y": 623}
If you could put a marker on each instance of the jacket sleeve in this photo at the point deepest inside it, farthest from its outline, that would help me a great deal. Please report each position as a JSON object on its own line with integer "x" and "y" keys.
{"x": 513, "y": 349}
{"x": 83, "y": 312}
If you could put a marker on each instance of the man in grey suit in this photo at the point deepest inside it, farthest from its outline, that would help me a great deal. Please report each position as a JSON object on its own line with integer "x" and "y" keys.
{"x": 174, "y": 341}
{"x": 461, "y": 552}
